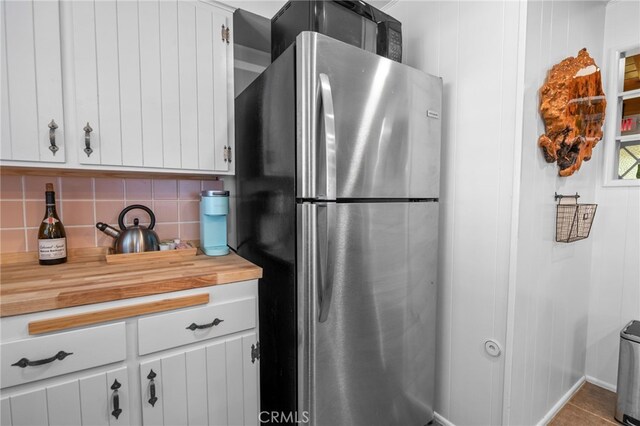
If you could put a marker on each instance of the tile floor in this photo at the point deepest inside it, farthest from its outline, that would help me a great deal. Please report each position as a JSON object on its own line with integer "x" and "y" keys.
{"x": 590, "y": 406}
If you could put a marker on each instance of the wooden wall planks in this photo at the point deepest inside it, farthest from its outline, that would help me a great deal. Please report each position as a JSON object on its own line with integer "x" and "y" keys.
{"x": 615, "y": 270}
{"x": 552, "y": 279}
{"x": 473, "y": 47}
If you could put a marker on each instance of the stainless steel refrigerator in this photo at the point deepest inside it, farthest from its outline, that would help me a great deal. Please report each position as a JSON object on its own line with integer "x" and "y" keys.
{"x": 337, "y": 199}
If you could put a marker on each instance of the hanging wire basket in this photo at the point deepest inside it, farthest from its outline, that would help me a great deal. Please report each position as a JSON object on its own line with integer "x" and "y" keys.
{"x": 573, "y": 220}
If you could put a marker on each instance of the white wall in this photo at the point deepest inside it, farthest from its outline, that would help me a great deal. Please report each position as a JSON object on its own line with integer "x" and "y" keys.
{"x": 473, "y": 47}
{"x": 615, "y": 266}
{"x": 552, "y": 279}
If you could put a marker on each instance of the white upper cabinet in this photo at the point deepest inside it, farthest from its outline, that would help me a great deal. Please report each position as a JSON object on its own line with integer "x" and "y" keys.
{"x": 31, "y": 84}
{"x": 153, "y": 84}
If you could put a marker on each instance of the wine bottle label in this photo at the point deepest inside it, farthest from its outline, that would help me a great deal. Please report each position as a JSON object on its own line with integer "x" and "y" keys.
{"x": 55, "y": 248}
{"x": 50, "y": 220}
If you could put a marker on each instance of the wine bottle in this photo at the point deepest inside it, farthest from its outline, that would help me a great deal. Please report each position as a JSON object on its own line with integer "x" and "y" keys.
{"x": 52, "y": 240}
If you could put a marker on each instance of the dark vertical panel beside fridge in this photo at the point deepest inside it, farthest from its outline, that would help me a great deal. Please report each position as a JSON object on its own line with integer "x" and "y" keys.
{"x": 337, "y": 190}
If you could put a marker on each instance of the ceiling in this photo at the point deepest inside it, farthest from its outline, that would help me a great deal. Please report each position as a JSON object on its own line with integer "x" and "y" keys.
{"x": 268, "y": 8}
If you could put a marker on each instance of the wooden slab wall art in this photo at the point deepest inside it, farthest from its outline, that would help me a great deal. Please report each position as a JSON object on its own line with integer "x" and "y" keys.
{"x": 572, "y": 105}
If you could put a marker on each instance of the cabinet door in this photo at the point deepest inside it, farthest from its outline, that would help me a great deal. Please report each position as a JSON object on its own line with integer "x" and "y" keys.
{"x": 92, "y": 400}
{"x": 214, "y": 69}
{"x": 206, "y": 85}
{"x": 31, "y": 84}
{"x": 96, "y": 63}
{"x": 154, "y": 81}
{"x": 212, "y": 385}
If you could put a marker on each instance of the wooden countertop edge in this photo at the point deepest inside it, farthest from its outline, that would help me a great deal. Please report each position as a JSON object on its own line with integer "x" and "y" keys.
{"x": 88, "y": 297}
{"x": 40, "y": 298}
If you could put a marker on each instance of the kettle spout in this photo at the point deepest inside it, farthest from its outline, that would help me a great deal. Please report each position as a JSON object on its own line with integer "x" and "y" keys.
{"x": 109, "y": 230}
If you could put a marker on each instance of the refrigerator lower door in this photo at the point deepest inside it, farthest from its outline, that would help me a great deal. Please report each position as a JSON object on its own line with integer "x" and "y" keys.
{"x": 372, "y": 123}
{"x": 366, "y": 312}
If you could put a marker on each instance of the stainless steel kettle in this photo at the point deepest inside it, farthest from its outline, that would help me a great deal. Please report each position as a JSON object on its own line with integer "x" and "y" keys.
{"x": 136, "y": 238}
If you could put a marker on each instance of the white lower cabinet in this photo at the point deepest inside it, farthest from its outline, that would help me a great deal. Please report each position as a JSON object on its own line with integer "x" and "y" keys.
{"x": 212, "y": 385}
{"x": 96, "y": 400}
{"x": 191, "y": 366}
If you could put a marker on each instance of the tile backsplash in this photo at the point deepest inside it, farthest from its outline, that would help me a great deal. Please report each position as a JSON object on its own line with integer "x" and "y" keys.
{"x": 83, "y": 201}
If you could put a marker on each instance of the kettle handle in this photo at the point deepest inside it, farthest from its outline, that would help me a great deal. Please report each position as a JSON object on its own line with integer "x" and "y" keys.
{"x": 133, "y": 207}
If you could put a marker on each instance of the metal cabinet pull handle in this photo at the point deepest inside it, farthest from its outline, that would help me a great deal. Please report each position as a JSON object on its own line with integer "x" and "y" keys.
{"x": 116, "y": 399}
{"x": 152, "y": 388}
{"x": 52, "y": 137}
{"x": 87, "y": 139}
{"x": 24, "y": 362}
{"x": 195, "y": 326}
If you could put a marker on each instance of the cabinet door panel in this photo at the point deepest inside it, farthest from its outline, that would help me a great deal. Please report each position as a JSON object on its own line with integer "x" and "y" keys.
{"x": 5, "y": 412}
{"x": 119, "y": 375}
{"x": 250, "y": 375}
{"x": 129, "y": 61}
{"x": 63, "y": 403}
{"x": 188, "y": 84}
{"x": 196, "y": 363}
{"x": 108, "y": 83}
{"x": 94, "y": 403}
{"x": 170, "y": 85}
{"x": 46, "y": 22}
{"x": 205, "y": 40}
{"x": 21, "y": 67}
{"x": 221, "y": 80}
{"x": 150, "y": 83}
{"x": 151, "y": 414}
{"x": 217, "y": 383}
{"x": 5, "y": 121}
{"x": 30, "y": 409}
{"x": 235, "y": 392}
{"x": 174, "y": 389}
{"x": 86, "y": 81}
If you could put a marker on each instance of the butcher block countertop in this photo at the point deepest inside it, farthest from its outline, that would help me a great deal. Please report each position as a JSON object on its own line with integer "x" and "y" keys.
{"x": 86, "y": 278}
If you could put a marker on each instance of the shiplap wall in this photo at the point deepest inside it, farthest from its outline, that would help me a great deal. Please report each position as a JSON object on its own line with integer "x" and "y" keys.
{"x": 615, "y": 266}
{"x": 473, "y": 47}
{"x": 552, "y": 279}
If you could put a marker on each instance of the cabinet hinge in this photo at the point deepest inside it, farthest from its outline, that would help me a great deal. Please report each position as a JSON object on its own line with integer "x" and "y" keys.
{"x": 225, "y": 33}
{"x": 255, "y": 352}
{"x": 227, "y": 154}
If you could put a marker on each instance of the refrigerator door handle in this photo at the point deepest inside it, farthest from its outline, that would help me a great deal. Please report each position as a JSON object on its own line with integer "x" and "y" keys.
{"x": 326, "y": 270}
{"x": 330, "y": 136}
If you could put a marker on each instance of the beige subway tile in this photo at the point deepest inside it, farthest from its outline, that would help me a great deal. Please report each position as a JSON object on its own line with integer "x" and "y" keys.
{"x": 165, "y": 189}
{"x": 138, "y": 189}
{"x": 77, "y": 188}
{"x": 11, "y": 214}
{"x": 109, "y": 189}
{"x": 12, "y": 241}
{"x": 11, "y": 187}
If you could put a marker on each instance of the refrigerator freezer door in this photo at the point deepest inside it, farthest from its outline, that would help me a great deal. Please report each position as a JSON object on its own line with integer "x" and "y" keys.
{"x": 366, "y": 312}
{"x": 385, "y": 119}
